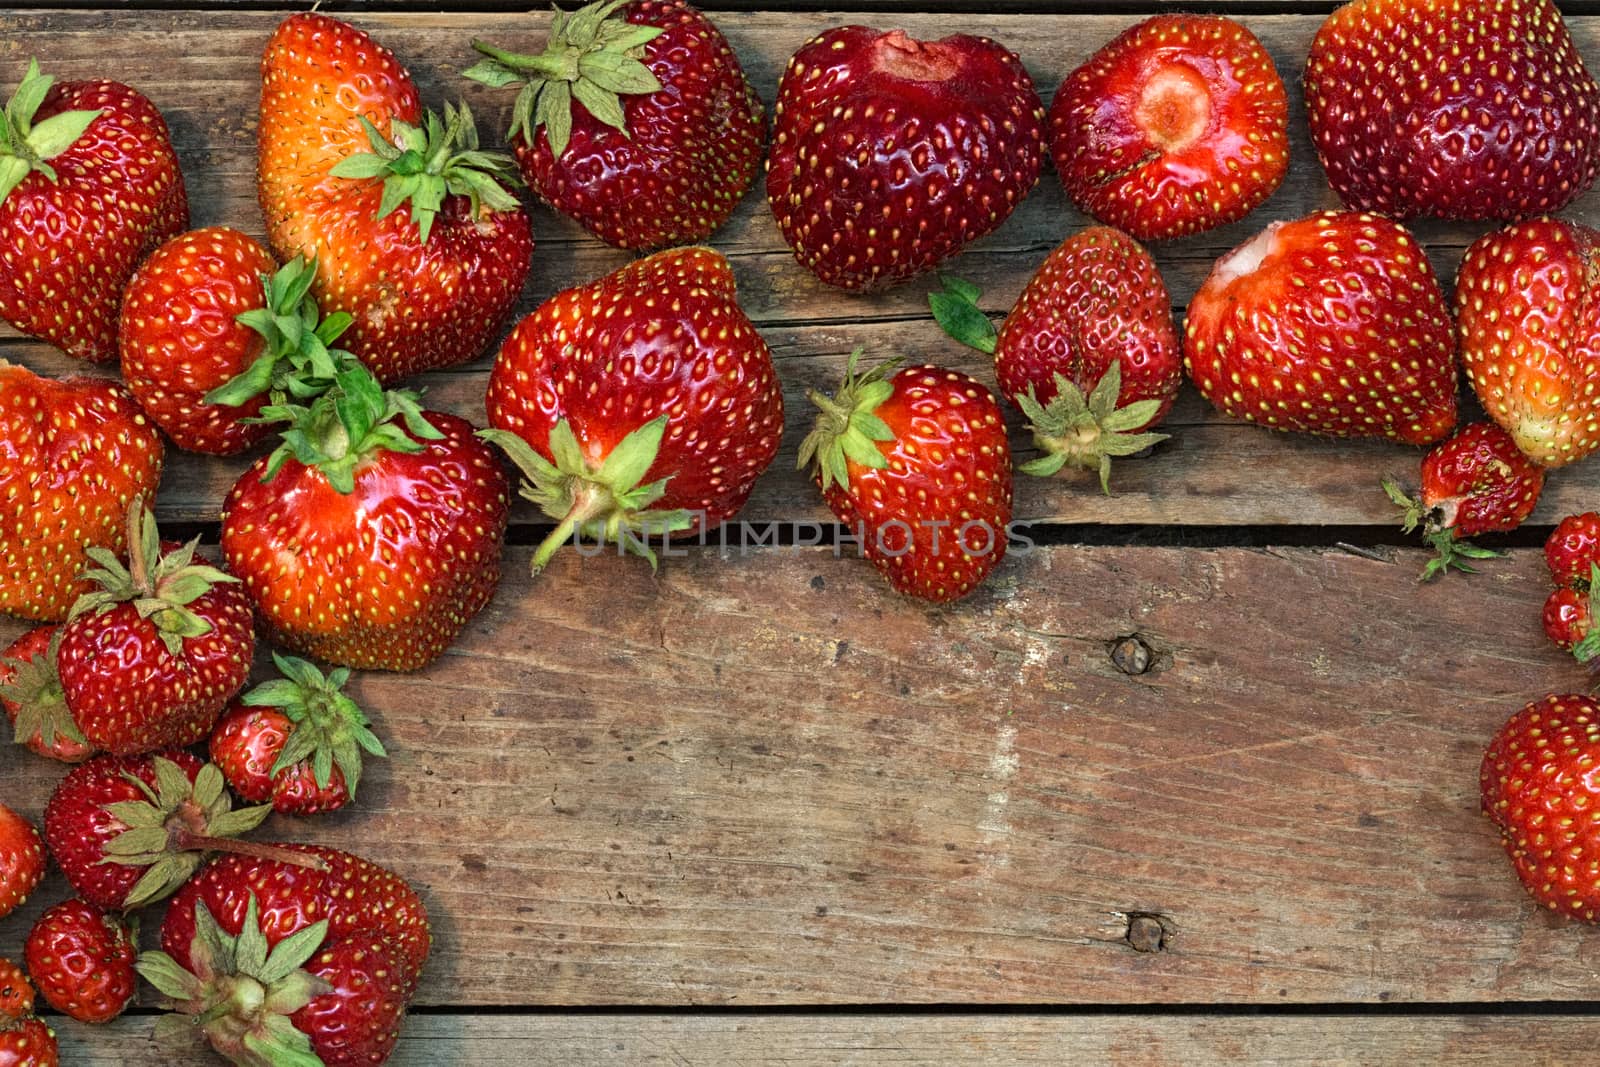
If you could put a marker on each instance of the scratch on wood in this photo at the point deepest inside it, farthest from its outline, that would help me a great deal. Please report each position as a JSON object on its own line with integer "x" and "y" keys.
{"x": 994, "y": 825}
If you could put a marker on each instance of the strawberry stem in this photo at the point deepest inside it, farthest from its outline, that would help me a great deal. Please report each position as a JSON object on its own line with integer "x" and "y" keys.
{"x": 189, "y": 841}
{"x": 590, "y": 501}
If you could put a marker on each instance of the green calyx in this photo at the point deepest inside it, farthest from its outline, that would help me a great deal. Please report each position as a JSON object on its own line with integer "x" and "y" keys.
{"x": 955, "y": 309}
{"x": 1585, "y": 651}
{"x": 591, "y": 58}
{"x": 424, "y": 164}
{"x": 1450, "y": 553}
{"x": 329, "y": 728}
{"x": 606, "y": 502}
{"x": 846, "y": 427}
{"x": 1087, "y": 431}
{"x": 25, "y": 147}
{"x": 160, "y": 587}
{"x": 347, "y": 424}
{"x": 240, "y": 993}
{"x": 35, "y": 688}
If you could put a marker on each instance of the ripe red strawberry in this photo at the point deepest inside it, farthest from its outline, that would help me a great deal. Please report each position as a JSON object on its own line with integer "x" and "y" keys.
{"x": 1568, "y": 616}
{"x": 428, "y": 285}
{"x": 1573, "y": 549}
{"x": 89, "y": 184}
{"x": 16, "y": 992}
{"x": 296, "y": 741}
{"x": 1475, "y": 482}
{"x": 151, "y": 658}
{"x": 1331, "y": 324}
{"x": 1469, "y": 109}
{"x": 30, "y": 689}
{"x": 1572, "y": 552}
{"x": 642, "y": 403}
{"x": 1539, "y": 787}
{"x": 637, "y": 121}
{"x": 82, "y": 958}
{"x": 24, "y": 1040}
{"x": 372, "y": 535}
{"x": 279, "y": 964}
{"x": 1088, "y": 353}
{"x": 1178, "y": 125}
{"x": 890, "y": 154}
{"x": 21, "y": 860}
{"x": 74, "y": 454}
{"x": 917, "y": 467}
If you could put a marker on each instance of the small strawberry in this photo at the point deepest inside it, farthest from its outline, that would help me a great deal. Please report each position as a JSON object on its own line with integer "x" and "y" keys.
{"x": 917, "y": 466}
{"x": 296, "y": 741}
{"x": 637, "y": 121}
{"x": 890, "y": 154}
{"x": 16, "y": 992}
{"x": 1088, "y": 353}
{"x": 1331, "y": 324}
{"x": 1473, "y": 483}
{"x": 24, "y": 1040}
{"x": 21, "y": 860}
{"x": 372, "y": 535}
{"x": 74, "y": 454}
{"x": 1539, "y": 786}
{"x": 276, "y": 963}
{"x": 1568, "y": 616}
{"x": 1178, "y": 125}
{"x": 412, "y": 229}
{"x": 89, "y": 184}
{"x": 1573, "y": 548}
{"x": 1461, "y": 109}
{"x": 30, "y": 689}
{"x": 82, "y": 959}
{"x": 642, "y": 403}
{"x": 1572, "y": 552}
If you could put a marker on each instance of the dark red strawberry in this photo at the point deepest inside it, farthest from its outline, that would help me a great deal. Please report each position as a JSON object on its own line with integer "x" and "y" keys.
{"x": 1331, "y": 324}
{"x": 1462, "y": 109}
{"x": 1178, "y": 125}
{"x": 24, "y": 1040}
{"x": 21, "y": 860}
{"x": 30, "y": 689}
{"x": 890, "y": 154}
{"x": 82, "y": 959}
{"x": 640, "y": 404}
{"x": 636, "y": 120}
{"x": 1573, "y": 549}
{"x": 89, "y": 184}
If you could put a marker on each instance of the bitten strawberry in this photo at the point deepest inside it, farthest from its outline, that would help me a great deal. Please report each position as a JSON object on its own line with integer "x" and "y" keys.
{"x": 74, "y": 454}
{"x": 21, "y": 860}
{"x": 1331, "y": 324}
{"x": 636, "y": 120}
{"x": 889, "y": 154}
{"x": 24, "y": 1040}
{"x": 82, "y": 959}
{"x": 1088, "y": 353}
{"x": 30, "y": 689}
{"x": 1462, "y": 109}
{"x": 916, "y": 465}
{"x": 89, "y": 184}
{"x": 1178, "y": 125}
{"x": 413, "y": 232}
{"x": 643, "y": 403}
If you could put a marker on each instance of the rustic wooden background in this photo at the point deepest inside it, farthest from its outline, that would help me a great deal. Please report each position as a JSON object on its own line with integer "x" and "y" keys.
{"x": 756, "y": 808}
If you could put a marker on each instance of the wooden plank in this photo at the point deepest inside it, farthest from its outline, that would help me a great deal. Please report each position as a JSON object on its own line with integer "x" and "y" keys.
{"x": 764, "y": 779}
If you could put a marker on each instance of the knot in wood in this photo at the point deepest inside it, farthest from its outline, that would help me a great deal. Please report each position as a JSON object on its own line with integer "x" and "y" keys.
{"x": 1131, "y": 655}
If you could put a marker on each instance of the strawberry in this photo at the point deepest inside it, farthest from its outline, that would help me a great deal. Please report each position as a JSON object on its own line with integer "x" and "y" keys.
{"x": 24, "y": 1040}
{"x": 276, "y": 963}
{"x": 1472, "y": 483}
{"x": 89, "y": 184}
{"x": 21, "y": 860}
{"x": 890, "y": 154}
{"x": 343, "y": 146}
{"x": 1538, "y": 786}
{"x": 372, "y": 535}
{"x": 16, "y": 992}
{"x": 1468, "y": 109}
{"x": 30, "y": 689}
{"x": 917, "y": 466}
{"x": 1331, "y": 324}
{"x": 152, "y": 657}
{"x": 641, "y": 403}
{"x": 636, "y": 120}
{"x": 82, "y": 958}
{"x": 74, "y": 454}
{"x": 1573, "y": 548}
{"x": 296, "y": 741}
{"x": 1178, "y": 125}
{"x": 1088, "y": 353}
{"x": 1528, "y": 315}
{"x": 1568, "y": 616}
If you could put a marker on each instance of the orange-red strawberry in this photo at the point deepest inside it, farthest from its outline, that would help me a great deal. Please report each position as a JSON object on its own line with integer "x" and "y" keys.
{"x": 642, "y": 403}
{"x": 82, "y": 959}
{"x": 412, "y": 230}
{"x": 890, "y": 154}
{"x": 1178, "y": 125}
{"x": 24, "y": 1040}
{"x": 636, "y": 120}
{"x": 30, "y": 690}
{"x": 1331, "y": 324}
{"x": 74, "y": 454}
{"x": 1463, "y": 109}
{"x": 21, "y": 860}
{"x": 916, "y": 465}
{"x": 372, "y": 535}
{"x": 89, "y": 184}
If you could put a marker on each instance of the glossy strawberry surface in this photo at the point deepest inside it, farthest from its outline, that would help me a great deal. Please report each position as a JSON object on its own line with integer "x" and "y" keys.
{"x": 1478, "y": 482}
{"x": 247, "y": 742}
{"x": 51, "y": 733}
{"x": 82, "y": 957}
{"x": 1572, "y": 548}
{"x": 22, "y": 860}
